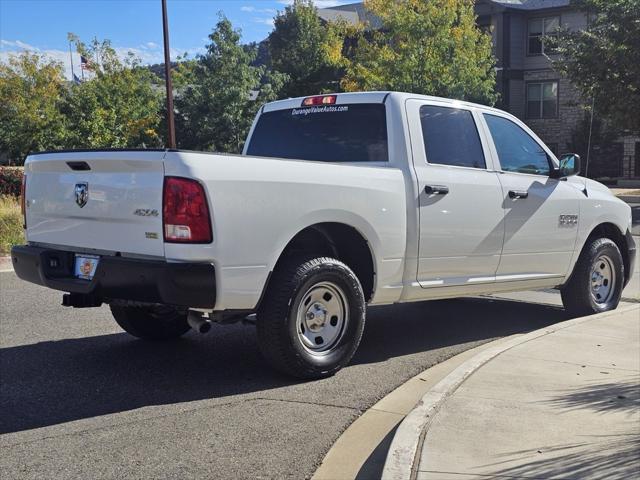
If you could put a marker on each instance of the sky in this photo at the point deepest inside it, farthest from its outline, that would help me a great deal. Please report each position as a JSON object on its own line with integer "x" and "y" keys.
{"x": 131, "y": 25}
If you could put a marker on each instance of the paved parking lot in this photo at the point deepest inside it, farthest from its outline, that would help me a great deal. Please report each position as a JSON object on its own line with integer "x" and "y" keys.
{"x": 79, "y": 398}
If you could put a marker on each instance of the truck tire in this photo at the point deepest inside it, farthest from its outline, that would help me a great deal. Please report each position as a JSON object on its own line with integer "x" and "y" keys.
{"x": 159, "y": 323}
{"x": 597, "y": 279}
{"x": 311, "y": 320}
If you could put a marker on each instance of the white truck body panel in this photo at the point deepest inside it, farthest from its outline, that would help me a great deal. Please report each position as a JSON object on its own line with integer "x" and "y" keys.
{"x": 472, "y": 212}
{"x": 253, "y": 221}
{"x": 120, "y": 183}
{"x": 473, "y": 240}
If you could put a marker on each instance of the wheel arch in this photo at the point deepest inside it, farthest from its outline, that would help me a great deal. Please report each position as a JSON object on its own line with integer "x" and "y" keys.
{"x": 612, "y": 232}
{"x": 338, "y": 240}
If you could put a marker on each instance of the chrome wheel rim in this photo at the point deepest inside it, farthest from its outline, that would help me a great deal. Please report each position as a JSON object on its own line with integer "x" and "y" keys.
{"x": 603, "y": 279}
{"x": 322, "y": 317}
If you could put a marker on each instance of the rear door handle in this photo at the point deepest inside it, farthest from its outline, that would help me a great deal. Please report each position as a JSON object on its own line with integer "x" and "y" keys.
{"x": 518, "y": 194}
{"x": 436, "y": 189}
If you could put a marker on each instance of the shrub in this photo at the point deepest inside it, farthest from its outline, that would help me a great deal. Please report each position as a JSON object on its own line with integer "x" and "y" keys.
{"x": 10, "y": 181}
{"x": 11, "y": 232}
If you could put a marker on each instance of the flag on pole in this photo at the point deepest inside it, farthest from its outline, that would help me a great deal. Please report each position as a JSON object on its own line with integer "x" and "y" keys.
{"x": 85, "y": 64}
{"x": 76, "y": 80}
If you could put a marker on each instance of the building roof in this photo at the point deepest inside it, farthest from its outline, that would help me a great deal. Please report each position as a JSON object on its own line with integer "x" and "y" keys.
{"x": 355, "y": 12}
{"x": 351, "y": 13}
{"x": 532, "y": 4}
{"x": 333, "y": 15}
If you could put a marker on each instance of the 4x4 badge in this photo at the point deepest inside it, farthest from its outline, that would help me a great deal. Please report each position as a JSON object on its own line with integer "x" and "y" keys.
{"x": 82, "y": 193}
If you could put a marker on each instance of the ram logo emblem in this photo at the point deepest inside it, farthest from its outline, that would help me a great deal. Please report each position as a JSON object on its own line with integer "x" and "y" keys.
{"x": 82, "y": 193}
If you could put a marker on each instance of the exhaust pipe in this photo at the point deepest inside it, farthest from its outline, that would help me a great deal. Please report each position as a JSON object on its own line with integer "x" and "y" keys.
{"x": 197, "y": 321}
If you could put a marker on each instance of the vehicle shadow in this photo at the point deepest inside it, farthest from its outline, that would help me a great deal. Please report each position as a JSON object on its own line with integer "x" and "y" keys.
{"x": 49, "y": 383}
{"x": 396, "y": 330}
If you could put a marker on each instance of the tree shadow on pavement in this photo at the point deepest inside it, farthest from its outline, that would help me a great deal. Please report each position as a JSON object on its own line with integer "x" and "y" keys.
{"x": 610, "y": 456}
{"x": 614, "y": 457}
{"x": 49, "y": 383}
{"x": 622, "y": 396}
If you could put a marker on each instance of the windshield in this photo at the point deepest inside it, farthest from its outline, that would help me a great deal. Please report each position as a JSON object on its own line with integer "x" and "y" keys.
{"x": 328, "y": 133}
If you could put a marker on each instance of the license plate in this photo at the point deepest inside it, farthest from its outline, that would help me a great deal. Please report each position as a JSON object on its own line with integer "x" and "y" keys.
{"x": 85, "y": 266}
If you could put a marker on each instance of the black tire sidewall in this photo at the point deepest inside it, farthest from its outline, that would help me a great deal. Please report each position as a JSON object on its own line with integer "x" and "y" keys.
{"x": 343, "y": 351}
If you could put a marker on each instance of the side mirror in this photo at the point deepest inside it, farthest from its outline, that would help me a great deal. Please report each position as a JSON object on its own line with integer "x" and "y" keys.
{"x": 569, "y": 165}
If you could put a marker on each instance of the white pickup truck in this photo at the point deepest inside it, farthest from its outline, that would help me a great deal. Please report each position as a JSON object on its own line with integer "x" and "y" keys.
{"x": 338, "y": 201}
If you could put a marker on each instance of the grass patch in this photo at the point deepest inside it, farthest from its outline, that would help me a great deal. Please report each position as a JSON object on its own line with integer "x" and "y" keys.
{"x": 11, "y": 232}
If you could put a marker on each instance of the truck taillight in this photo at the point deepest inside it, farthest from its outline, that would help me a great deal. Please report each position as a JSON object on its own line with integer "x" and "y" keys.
{"x": 23, "y": 201}
{"x": 185, "y": 214}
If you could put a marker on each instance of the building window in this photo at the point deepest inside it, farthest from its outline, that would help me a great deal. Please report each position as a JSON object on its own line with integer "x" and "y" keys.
{"x": 542, "y": 35}
{"x": 542, "y": 99}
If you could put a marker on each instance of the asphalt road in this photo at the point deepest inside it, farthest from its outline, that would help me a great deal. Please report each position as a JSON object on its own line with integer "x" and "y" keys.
{"x": 81, "y": 399}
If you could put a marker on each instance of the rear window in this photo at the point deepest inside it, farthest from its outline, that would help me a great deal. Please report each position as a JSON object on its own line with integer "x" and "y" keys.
{"x": 329, "y": 133}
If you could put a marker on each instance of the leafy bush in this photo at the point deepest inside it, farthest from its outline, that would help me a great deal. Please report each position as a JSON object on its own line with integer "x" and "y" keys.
{"x": 10, "y": 181}
{"x": 11, "y": 232}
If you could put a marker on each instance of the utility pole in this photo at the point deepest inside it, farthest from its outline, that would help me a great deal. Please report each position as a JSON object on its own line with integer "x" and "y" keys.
{"x": 586, "y": 165}
{"x": 73, "y": 75}
{"x": 171, "y": 128}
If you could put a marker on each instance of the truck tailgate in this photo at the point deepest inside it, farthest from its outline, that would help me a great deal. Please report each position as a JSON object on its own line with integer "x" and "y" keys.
{"x": 108, "y": 201}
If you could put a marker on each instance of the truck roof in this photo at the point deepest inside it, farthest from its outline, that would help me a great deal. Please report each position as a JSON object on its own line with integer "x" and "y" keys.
{"x": 368, "y": 97}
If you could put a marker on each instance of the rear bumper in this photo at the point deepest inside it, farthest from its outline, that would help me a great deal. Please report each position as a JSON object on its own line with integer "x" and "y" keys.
{"x": 631, "y": 256}
{"x": 118, "y": 278}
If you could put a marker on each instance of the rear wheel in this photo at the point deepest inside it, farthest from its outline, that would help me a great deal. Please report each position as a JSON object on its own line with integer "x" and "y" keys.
{"x": 158, "y": 323}
{"x": 597, "y": 280}
{"x": 311, "y": 321}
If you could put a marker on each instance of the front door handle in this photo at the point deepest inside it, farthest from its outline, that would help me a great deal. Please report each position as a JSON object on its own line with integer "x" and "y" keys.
{"x": 436, "y": 189}
{"x": 518, "y": 194}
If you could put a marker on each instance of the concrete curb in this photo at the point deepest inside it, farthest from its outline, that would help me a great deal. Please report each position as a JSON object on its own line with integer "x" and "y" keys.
{"x": 360, "y": 451}
{"x": 401, "y": 458}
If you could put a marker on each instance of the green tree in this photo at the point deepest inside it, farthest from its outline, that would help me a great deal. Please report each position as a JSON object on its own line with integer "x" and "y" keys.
{"x": 31, "y": 94}
{"x": 429, "y": 47}
{"x": 596, "y": 143}
{"x": 217, "y": 107}
{"x": 298, "y": 48}
{"x": 603, "y": 61}
{"x": 118, "y": 106}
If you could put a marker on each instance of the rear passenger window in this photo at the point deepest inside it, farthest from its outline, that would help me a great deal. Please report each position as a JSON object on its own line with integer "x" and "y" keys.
{"x": 517, "y": 150}
{"x": 451, "y": 137}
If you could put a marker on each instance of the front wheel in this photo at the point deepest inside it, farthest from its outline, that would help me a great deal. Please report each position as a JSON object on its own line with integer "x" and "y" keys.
{"x": 597, "y": 280}
{"x": 311, "y": 321}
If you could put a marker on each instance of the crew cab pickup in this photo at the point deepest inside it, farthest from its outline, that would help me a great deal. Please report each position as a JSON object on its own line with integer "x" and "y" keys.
{"x": 337, "y": 201}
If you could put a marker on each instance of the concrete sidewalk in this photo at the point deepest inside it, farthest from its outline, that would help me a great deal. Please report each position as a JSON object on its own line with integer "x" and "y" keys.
{"x": 629, "y": 195}
{"x": 562, "y": 405}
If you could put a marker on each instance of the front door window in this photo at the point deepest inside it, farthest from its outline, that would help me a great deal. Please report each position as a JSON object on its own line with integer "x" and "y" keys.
{"x": 517, "y": 150}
